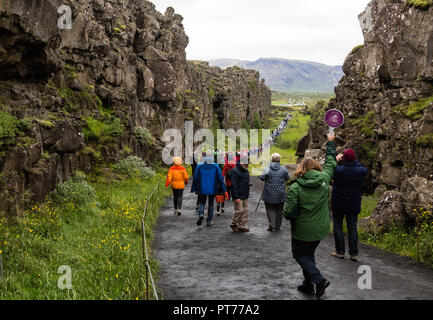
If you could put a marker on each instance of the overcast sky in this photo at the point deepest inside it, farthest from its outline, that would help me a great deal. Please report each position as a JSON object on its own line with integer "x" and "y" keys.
{"x": 315, "y": 30}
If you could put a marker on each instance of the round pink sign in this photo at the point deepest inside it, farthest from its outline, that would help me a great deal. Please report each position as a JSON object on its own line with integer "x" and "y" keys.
{"x": 334, "y": 118}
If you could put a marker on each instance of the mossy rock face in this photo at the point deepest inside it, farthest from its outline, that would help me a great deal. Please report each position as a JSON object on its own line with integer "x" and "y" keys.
{"x": 354, "y": 50}
{"x": 11, "y": 128}
{"x": 415, "y": 110}
{"x": 104, "y": 132}
{"x": 425, "y": 140}
{"x": 89, "y": 151}
{"x": 366, "y": 124}
{"x": 45, "y": 123}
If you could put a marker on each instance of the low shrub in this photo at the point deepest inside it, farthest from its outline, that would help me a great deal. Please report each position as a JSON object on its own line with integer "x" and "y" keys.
{"x": 144, "y": 136}
{"x": 134, "y": 166}
{"x": 75, "y": 190}
{"x": 287, "y": 143}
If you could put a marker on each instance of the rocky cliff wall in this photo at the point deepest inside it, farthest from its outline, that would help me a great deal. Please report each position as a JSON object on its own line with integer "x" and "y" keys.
{"x": 386, "y": 95}
{"x": 80, "y": 98}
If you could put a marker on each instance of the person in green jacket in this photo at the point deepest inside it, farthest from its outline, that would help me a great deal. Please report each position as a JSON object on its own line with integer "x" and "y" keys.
{"x": 308, "y": 211}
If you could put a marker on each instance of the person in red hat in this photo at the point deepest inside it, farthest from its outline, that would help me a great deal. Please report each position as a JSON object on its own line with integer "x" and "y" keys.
{"x": 346, "y": 203}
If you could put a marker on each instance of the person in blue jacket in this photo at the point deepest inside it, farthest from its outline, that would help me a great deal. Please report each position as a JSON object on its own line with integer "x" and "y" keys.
{"x": 346, "y": 202}
{"x": 208, "y": 180}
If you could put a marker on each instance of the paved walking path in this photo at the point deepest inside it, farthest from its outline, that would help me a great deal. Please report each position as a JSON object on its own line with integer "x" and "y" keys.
{"x": 217, "y": 264}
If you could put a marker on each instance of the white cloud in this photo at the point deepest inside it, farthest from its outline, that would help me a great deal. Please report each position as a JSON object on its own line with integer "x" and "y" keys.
{"x": 317, "y": 30}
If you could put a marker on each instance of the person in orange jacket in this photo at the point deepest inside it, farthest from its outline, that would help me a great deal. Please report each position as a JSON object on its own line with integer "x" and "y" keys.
{"x": 178, "y": 177}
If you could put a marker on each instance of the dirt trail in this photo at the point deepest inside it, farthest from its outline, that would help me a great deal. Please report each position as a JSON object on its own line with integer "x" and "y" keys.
{"x": 217, "y": 264}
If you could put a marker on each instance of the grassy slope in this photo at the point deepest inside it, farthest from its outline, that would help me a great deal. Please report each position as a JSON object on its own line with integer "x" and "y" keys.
{"x": 297, "y": 127}
{"x": 99, "y": 240}
{"x": 399, "y": 240}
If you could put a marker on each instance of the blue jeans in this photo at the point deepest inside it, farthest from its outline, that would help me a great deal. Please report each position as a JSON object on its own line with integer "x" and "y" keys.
{"x": 303, "y": 252}
{"x": 201, "y": 205}
{"x": 352, "y": 222}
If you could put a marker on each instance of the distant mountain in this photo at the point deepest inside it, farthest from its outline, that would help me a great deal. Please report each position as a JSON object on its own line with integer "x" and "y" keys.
{"x": 290, "y": 75}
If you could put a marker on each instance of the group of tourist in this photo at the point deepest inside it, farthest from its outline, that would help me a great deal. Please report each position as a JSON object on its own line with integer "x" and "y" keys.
{"x": 305, "y": 202}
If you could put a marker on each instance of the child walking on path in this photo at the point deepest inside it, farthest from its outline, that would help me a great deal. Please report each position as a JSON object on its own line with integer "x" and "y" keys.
{"x": 308, "y": 211}
{"x": 178, "y": 178}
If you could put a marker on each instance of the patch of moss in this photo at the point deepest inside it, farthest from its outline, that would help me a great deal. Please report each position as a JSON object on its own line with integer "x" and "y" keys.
{"x": 5, "y": 85}
{"x": 371, "y": 149}
{"x": 89, "y": 151}
{"x": 74, "y": 99}
{"x": 354, "y": 50}
{"x": 420, "y": 4}
{"x": 26, "y": 141}
{"x": 103, "y": 132}
{"x": 8, "y": 129}
{"x": 415, "y": 110}
{"x": 317, "y": 113}
{"x": 71, "y": 71}
{"x": 45, "y": 123}
{"x": 425, "y": 140}
{"x": 211, "y": 93}
{"x": 366, "y": 124}
{"x": 252, "y": 84}
{"x": 256, "y": 122}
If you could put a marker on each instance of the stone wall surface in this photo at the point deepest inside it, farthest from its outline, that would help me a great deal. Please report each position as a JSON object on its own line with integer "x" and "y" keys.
{"x": 386, "y": 96}
{"x": 77, "y": 96}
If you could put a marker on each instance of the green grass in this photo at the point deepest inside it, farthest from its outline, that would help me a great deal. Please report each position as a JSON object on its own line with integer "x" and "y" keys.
{"x": 398, "y": 240}
{"x": 287, "y": 143}
{"x": 98, "y": 235}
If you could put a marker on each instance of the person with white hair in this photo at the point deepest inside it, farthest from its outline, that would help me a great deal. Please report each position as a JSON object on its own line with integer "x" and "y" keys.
{"x": 274, "y": 193}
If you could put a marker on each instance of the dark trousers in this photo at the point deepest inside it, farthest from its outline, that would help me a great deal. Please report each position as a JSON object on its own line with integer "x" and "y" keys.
{"x": 177, "y": 198}
{"x": 202, "y": 203}
{"x": 352, "y": 229}
{"x": 303, "y": 252}
{"x": 275, "y": 214}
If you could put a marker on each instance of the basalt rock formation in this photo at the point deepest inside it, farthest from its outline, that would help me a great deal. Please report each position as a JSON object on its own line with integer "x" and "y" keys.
{"x": 386, "y": 96}
{"x": 77, "y": 99}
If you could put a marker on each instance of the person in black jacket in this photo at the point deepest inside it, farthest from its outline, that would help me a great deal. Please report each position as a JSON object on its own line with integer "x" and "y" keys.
{"x": 240, "y": 178}
{"x": 346, "y": 202}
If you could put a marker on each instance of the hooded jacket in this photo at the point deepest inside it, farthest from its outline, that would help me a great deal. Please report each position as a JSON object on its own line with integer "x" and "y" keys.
{"x": 346, "y": 192}
{"x": 227, "y": 168}
{"x": 208, "y": 179}
{"x": 177, "y": 176}
{"x": 307, "y": 204}
{"x": 275, "y": 178}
